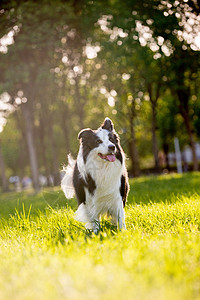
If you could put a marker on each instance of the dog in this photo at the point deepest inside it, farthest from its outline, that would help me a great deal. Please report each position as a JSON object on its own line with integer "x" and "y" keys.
{"x": 98, "y": 177}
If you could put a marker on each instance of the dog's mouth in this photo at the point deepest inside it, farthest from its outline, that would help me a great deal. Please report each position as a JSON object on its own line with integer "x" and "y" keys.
{"x": 108, "y": 157}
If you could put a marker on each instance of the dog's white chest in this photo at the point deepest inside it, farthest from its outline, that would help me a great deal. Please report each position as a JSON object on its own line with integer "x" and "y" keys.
{"x": 107, "y": 178}
{"x": 106, "y": 175}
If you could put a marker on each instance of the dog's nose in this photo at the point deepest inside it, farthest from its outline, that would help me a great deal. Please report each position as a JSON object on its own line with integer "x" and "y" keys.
{"x": 111, "y": 148}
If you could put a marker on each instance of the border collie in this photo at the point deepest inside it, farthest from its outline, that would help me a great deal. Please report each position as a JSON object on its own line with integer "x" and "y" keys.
{"x": 98, "y": 177}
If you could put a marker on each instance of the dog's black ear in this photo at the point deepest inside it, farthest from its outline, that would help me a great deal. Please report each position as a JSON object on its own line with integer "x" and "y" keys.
{"x": 107, "y": 124}
{"x": 85, "y": 133}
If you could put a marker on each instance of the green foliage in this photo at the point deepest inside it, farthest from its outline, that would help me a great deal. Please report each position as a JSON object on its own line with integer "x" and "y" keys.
{"x": 49, "y": 45}
{"x": 170, "y": 123}
{"x": 46, "y": 254}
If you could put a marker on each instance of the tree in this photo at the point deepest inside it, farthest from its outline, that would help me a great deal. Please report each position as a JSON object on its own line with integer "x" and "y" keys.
{"x": 124, "y": 85}
{"x": 36, "y": 42}
{"x": 169, "y": 125}
{"x": 73, "y": 63}
{"x": 169, "y": 24}
{"x": 162, "y": 26}
{"x": 3, "y": 172}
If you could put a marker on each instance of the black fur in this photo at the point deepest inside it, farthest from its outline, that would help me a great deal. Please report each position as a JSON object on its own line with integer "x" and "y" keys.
{"x": 113, "y": 137}
{"x": 89, "y": 141}
{"x": 124, "y": 189}
{"x": 79, "y": 183}
{"x": 108, "y": 125}
{"x": 91, "y": 185}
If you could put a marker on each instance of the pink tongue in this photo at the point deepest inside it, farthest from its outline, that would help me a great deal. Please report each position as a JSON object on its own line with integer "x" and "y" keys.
{"x": 111, "y": 157}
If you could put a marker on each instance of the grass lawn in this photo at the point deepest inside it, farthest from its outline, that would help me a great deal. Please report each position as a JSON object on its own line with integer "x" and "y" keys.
{"x": 46, "y": 254}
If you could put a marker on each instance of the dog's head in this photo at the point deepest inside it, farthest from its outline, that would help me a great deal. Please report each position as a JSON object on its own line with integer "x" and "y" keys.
{"x": 103, "y": 142}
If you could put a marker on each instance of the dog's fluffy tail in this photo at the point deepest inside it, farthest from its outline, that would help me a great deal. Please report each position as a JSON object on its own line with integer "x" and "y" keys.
{"x": 67, "y": 181}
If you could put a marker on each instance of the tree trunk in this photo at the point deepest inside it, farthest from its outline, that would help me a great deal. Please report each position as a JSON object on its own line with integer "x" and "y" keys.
{"x": 3, "y": 173}
{"x": 154, "y": 137}
{"x": 153, "y": 100}
{"x": 55, "y": 164}
{"x": 65, "y": 116}
{"x": 166, "y": 152}
{"x": 27, "y": 114}
{"x": 79, "y": 104}
{"x": 133, "y": 151}
{"x": 65, "y": 127}
{"x": 183, "y": 96}
{"x": 24, "y": 148}
{"x": 43, "y": 149}
{"x": 191, "y": 139}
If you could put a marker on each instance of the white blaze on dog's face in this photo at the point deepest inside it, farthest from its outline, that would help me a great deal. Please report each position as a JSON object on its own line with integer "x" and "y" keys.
{"x": 103, "y": 143}
{"x": 106, "y": 149}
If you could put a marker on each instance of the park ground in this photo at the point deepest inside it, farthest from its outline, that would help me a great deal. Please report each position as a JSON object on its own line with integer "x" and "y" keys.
{"x": 46, "y": 254}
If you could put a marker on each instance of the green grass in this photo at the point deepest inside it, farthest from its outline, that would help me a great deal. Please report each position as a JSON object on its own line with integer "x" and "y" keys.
{"x": 46, "y": 254}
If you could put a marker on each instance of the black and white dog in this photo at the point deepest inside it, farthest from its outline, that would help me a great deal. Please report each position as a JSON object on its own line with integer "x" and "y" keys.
{"x": 98, "y": 177}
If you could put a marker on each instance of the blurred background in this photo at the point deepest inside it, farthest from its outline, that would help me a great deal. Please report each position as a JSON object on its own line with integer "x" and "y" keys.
{"x": 66, "y": 65}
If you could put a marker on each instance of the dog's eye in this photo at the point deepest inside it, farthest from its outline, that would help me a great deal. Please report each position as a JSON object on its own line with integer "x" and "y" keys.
{"x": 99, "y": 141}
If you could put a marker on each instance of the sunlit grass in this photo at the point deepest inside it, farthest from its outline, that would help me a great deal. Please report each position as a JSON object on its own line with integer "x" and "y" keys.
{"x": 46, "y": 254}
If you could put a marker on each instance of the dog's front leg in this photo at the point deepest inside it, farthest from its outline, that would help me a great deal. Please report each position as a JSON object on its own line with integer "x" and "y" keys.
{"x": 96, "y": 226}
{"x": 121, "y": 216}
{"x": 93, "y": 214}
{"x": 118, "y": 216}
